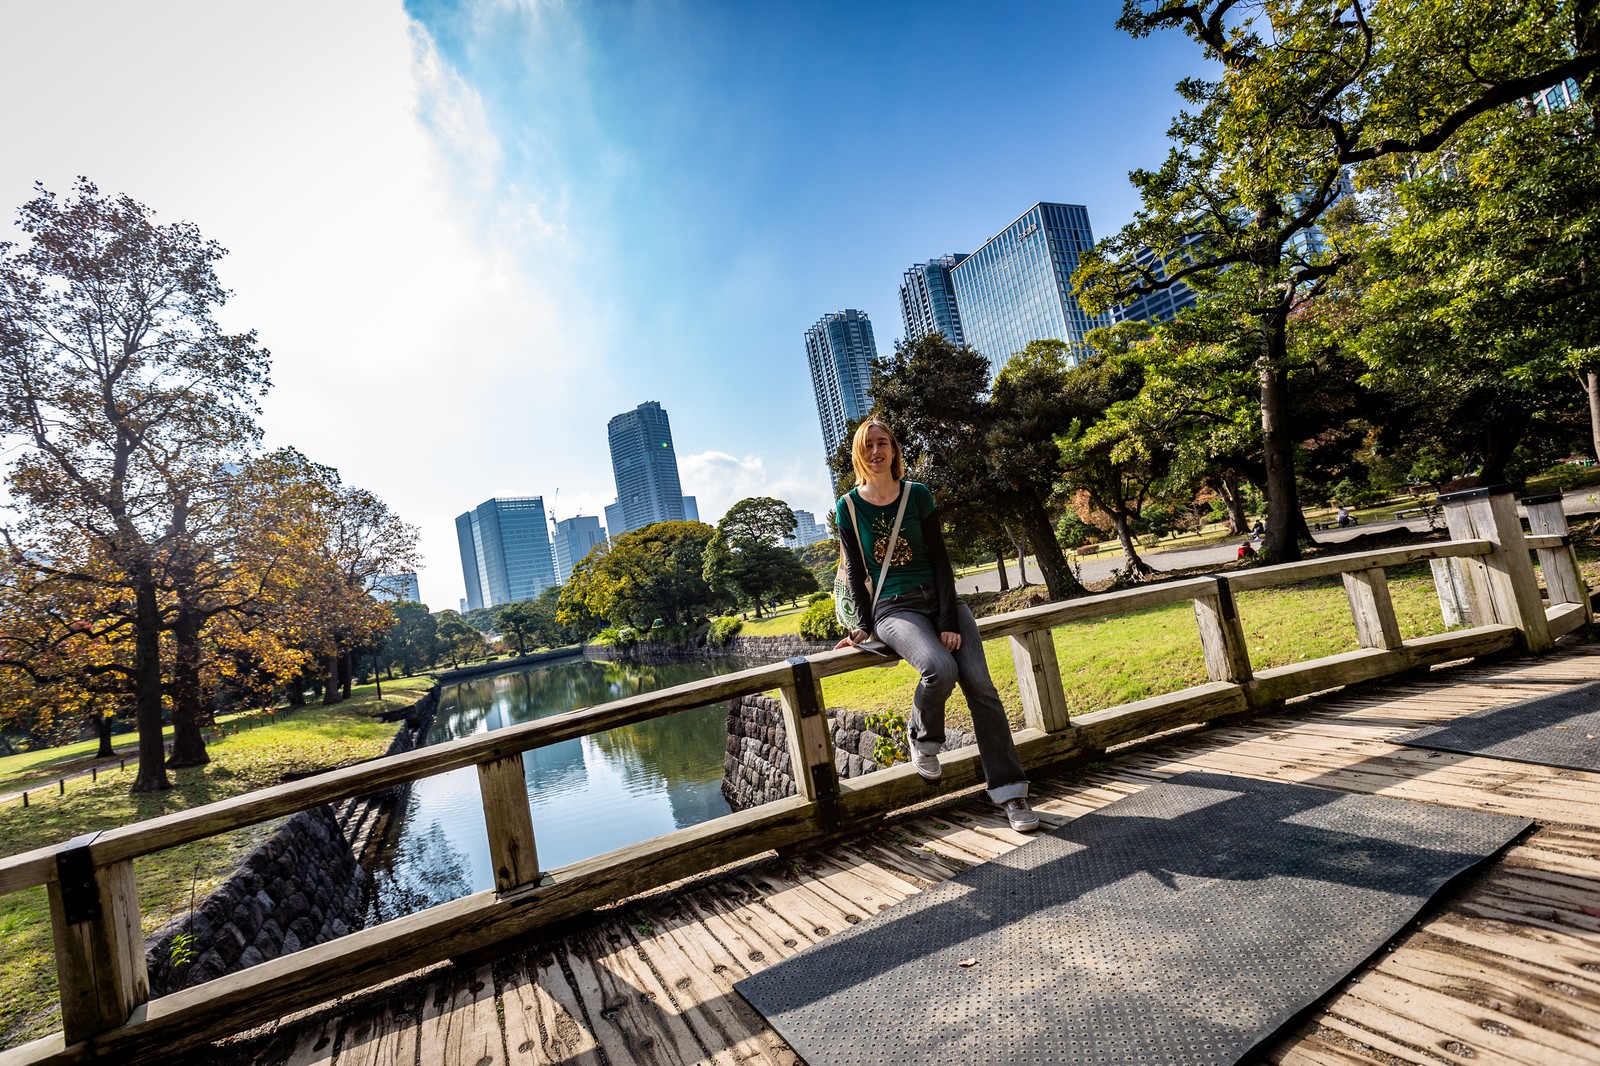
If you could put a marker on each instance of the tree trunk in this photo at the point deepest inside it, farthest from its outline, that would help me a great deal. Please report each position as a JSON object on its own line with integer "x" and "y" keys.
{"x": 377, "y": 676}
{"x": 295, "y": 693}
{"x": 102, "y": 728}
{"x": 346, "y": 670}
{"x": 1000, "y": 568}
{"x": 1233, "y": 500}
{"x": 330, "y": 680}
{"x": 188, "y": 743}
{"x": 152, "y": 772}
{"x": 1137, "y": 567}
{"x": 1058, "y": 576}
{"x": 1022, "y": 561}
{"x": 1284, "y": 520}
{"x": 1591, "y": 385}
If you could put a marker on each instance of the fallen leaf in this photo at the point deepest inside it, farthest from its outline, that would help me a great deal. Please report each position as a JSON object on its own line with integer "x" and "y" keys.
{"x": 969, "y": 962}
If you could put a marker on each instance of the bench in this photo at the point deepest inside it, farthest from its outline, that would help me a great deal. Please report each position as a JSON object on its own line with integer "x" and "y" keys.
{"x": 1333, "y": 523}
{"x": 1416, "y": 512}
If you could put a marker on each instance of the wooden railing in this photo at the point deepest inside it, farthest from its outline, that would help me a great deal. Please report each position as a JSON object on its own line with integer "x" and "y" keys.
{"x": 105, "y": 1007}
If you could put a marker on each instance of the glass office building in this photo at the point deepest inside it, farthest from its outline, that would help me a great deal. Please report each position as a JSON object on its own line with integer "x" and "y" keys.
{"x": 505, "y": 551}
{"x": 840, "y": 350}
{"x": 928, "y": 300}
{"x": 646, "y": 469}
{"x": 575, "y": 538}
{"x": 1017, "y": 288}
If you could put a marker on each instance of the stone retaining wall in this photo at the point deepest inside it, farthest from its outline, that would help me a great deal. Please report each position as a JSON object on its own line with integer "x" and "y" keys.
{"x": 461, "y": 672}
{"x": 303, "y": 886}
{"x": 756, "y": 767}
{"x": 755, "y": 649}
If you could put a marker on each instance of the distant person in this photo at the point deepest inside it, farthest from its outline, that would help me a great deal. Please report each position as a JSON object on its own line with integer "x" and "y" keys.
{"x": 1258, "y": 530}
{"x": 920, "y": 617}
{"x": 1246, "y": 552}
{"x": 1344, "y": 516}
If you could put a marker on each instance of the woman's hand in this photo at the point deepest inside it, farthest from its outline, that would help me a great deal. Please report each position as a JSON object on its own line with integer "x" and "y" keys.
{"x": 951, "y": 641}
{"x": 857, "y": 636}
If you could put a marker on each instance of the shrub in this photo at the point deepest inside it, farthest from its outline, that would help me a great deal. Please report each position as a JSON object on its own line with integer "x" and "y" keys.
{"x": 621, "y": 636}
{"x": 818, "y": 597}
{"x": 723, "y": 629}
{"x": 818, "y": 623}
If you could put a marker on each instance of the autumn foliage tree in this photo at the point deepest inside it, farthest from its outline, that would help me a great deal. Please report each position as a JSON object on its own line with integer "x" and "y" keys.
{"x": 122, "y": 389}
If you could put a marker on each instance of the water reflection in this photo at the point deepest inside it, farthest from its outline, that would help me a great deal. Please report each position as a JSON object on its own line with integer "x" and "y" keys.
{"x": 588, "y": 795}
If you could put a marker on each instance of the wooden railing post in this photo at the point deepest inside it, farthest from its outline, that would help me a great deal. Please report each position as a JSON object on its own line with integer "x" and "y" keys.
{"x": 1371, "y": 608}
{"x": 1221, "y": 635}
{"x": 1503, "y": 582}
{"x": 1562, "y": 578}
{"x": 509, "y": 819}
{"x": 810, "y": 747}
{"x": 94, "y": 914}
{"x": 1457, "y": 606}
{"x": 1044, "y": 702}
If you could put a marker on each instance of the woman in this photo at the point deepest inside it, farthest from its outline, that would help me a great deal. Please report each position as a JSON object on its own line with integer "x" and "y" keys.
{"x": 920, "y": 617}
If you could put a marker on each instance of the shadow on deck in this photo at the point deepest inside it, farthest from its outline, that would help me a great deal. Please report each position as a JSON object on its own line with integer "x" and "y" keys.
{"x": 1502, "y": 967}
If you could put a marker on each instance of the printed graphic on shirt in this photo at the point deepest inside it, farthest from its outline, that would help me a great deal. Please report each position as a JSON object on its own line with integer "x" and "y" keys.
{"x": 881, "y": 528}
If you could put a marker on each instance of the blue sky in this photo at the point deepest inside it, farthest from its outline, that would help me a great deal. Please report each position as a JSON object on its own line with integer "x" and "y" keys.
{"x": 472, "y": 232}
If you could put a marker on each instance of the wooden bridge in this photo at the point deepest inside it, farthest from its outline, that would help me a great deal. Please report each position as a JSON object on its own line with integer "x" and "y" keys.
{"x": 1506, "y": 969}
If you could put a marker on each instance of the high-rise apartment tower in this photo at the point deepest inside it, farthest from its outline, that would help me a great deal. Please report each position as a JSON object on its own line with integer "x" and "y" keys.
{"x": 1017, "y": 288}
{"x": 505, "y": 551}
{"x": 840, "y": 351}
{"x": 646, "y": 469}
{"x": 928, "y": 300}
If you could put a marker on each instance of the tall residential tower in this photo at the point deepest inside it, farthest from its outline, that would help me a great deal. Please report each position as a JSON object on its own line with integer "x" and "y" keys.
{"x": 928, "y": 300}
{"x": 840, "y": 351}
{"x": 646, "y": 470}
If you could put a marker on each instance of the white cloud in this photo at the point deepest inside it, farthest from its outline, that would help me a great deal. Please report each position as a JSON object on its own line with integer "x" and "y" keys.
{"x": 718, "y": 480}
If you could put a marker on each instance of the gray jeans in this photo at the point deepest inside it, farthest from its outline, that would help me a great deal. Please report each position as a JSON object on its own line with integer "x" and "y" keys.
{"x": 907, "y": 623}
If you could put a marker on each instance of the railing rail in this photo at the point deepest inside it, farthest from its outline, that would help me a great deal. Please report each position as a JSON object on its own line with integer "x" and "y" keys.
{"x": 106, "y": 1008}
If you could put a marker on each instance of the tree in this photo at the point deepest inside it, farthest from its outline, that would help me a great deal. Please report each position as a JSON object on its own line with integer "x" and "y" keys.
{"x": 414, "y": 636}
{"x": 757, "y": 520}
{"x": 1306, "y": 91}
{"x": 1474, "y": 305}
{"x": 118, "y": 381}
{"x": 649, "y": 573}
{"x": 743, "y": 560}
{"x": 978, "y": 455}
{"x": 519, "y": 621}
{"x": 458, "y": 640}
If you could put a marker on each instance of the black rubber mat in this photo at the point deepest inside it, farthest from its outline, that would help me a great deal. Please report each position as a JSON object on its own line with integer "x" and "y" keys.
{"x": 1183, "y": 925}
{"x": 1561, "y": 730}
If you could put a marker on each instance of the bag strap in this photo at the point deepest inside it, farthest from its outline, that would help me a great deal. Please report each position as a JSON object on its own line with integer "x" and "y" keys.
{"x": 894, "y": 537}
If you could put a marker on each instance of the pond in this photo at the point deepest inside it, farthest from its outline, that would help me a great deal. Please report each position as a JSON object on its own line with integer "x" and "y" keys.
{"x": 589, "y": 795}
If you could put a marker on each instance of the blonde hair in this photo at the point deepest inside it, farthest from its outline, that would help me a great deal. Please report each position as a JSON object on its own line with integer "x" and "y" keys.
{"x": 858, "y": 450}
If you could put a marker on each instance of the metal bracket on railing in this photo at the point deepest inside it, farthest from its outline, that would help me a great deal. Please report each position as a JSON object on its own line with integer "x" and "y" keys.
{"x": 80, "y": 894}
{"x": 1225, "y": 606}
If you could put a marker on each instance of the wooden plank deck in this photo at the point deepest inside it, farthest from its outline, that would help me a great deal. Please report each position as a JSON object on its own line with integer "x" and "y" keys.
{"x": 1504, "y": 968}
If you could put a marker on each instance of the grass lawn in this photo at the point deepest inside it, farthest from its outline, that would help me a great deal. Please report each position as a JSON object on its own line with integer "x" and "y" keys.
{"x": 309, "y": 738}
{"x": 1145, "y": 653}
{"x": 786, "y": 622}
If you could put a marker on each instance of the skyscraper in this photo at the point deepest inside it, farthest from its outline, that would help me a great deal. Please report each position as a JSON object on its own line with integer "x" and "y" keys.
{"x": 575, "y": 537}
{"x": 840, "y": 351}
{"x": 1018, "y": 287}
{"x": 646, "y": 469}
{"x": 505, "y": 551}
{"x": 928, "y": 299}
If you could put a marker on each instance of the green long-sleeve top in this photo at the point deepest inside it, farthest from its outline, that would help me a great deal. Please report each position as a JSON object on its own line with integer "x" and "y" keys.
{"x": 920, "y": 557}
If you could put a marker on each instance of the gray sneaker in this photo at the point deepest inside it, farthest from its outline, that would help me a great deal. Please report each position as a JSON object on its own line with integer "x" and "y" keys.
{"x": 927, "y": 765}
{"x": 1021, "y": 816}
